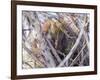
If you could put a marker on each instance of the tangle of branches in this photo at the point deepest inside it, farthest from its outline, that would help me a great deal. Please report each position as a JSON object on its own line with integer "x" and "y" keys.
{"x": 54, "y": 39}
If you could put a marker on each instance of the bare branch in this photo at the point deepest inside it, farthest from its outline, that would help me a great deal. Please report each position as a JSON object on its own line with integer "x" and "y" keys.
{"x": 77, "y": 55}
{"x": 27, "y": 64}
{"x": 33, "y": 56}
{"x": 86, "y": 55}
{"x": 54, "y": 51}
{"x": 73, "y": 48}
{"x": 61, "y": 53}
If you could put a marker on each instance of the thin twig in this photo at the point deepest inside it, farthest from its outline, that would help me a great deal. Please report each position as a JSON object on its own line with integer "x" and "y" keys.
{"x": 27, "y": 64}
{"x": 86, "y": 55}
{"x": 61, "y": 53}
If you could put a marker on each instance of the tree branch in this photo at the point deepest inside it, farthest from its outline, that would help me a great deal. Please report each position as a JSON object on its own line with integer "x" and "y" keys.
{"x": 78, "y": 55}
{"x": 33, "y": 56}
{"x": 73, "y": 48}
{"x": 53, "y": 51}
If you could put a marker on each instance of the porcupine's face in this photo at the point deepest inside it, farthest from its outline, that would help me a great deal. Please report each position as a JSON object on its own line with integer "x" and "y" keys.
{"x": 46, "y": 25}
